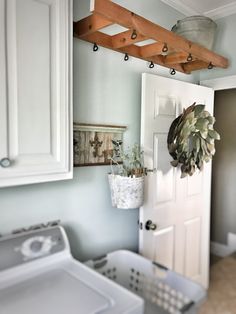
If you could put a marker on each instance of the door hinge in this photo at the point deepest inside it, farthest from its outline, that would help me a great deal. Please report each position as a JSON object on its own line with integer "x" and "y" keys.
{"x": 140, "y": 224}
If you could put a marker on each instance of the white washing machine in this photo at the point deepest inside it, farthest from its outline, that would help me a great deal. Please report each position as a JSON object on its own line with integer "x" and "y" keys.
{"x": 38, "y": 275}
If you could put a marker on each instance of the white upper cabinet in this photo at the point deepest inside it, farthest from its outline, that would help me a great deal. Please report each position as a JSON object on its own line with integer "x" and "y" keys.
{"x": 35, "y": 85}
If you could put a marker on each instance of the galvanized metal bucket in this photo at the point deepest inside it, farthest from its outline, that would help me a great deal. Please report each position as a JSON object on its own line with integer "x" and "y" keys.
{"x": 126, "y": 192}
{"x": 198, "y": 29}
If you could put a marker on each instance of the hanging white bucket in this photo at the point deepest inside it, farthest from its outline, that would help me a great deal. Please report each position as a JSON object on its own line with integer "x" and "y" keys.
{"x": 126, "y": 192}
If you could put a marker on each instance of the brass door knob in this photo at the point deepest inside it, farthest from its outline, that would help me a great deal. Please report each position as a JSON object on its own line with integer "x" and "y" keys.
{"x": 150, "y": 225}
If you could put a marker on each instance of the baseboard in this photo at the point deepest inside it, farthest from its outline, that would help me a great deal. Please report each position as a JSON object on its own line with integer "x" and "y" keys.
{"x": 232, "y": 240}
{"x": 223, "y": 250}
{"x": 219, "y": 249}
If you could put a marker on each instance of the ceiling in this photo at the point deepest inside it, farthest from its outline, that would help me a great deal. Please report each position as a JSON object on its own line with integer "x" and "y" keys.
{"x": 214, "y": 9}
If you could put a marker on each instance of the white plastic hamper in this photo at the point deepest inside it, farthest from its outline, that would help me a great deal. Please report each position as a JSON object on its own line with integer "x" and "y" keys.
{"x": 164, "y": 291}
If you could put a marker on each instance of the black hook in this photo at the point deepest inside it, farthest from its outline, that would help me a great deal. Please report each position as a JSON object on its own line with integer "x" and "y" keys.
{"x": 189, "y": 58}
{"x": 134, "y": 34}
{"x": 210, "y": 66}
{"x": 165, "y": 48}
{"x": 151, "y": 65}
{"x": 172, "y": 71}
{"x": 95, "y": 47}
{"x": 126, "y": 57}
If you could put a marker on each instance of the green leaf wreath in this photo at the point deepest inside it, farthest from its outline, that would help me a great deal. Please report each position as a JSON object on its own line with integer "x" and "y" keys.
{"x": 191, "y": 139}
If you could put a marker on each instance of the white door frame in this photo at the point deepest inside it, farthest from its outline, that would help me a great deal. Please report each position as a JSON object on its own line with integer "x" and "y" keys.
{"x": 221, "y": 83}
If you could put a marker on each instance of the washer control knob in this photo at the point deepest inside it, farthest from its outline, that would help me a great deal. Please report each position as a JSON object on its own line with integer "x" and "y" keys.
{"x": 35, "y": 247}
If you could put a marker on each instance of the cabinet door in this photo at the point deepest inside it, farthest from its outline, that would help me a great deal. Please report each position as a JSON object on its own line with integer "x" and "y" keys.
{"x": 38, "y": 39}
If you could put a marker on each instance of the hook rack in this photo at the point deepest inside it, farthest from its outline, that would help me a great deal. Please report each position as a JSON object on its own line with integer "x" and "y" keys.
{"x": 189, "y": 58}
{"x": 165, "y": 48}
{"x": 134, "y": 34}
{"x": 95, "y": 47}
{"x": 169, "y": 49}
{"x": 151, "y": 65}
{"x": 210, "y": 66}
{"x": 126, "y": 57}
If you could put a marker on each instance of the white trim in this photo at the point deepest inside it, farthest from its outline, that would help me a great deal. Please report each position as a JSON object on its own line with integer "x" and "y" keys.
{"x": 99, "y": 128}
{"x": 223, "y": 250}
{"x": 223, "y": 11}
{"x": 221, "y": 83}
{"x": 219, "y": 249}
{"x": 179, "y": 6}
{"x": 92, "y": 5}
{"x": 232, "y": 240}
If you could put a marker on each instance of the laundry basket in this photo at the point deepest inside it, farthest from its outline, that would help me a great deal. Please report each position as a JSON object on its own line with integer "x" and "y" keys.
{"x": 164, "y": 291}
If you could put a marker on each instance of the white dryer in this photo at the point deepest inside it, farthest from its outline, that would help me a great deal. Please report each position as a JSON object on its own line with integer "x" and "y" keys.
{"x": 39, "y": 275}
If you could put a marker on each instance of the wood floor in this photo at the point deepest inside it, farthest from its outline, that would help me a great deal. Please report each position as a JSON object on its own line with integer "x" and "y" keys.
{"x": 222, "y": 291}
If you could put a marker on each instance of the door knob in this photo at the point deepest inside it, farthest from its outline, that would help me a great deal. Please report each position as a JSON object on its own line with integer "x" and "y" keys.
{"x": 5, "y": 162}
{"x": 150, "y": 225}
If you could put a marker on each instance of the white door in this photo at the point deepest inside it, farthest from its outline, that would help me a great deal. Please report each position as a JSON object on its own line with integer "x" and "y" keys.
{"x": 179, "y": 209}
{"x": 35, "y": 98}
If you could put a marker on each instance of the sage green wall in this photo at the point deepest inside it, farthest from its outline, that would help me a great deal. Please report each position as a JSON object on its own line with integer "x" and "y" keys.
{"x": 224, "y": 167}
{"x": 106, "y": 90}
{"x": 226, "y": 46}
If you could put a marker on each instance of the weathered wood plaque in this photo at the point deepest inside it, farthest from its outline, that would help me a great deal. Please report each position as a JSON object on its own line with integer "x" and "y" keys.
{"x": 93, "y": 143}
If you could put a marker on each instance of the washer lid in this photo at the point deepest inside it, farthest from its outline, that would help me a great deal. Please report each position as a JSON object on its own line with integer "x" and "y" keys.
{"x": 55, "y": 292}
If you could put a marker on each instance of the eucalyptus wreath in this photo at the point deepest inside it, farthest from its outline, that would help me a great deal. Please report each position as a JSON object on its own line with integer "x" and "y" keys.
{"x": 191, "y": 139}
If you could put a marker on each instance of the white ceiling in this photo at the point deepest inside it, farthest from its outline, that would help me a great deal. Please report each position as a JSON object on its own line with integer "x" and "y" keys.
{"x": 212, "y": 8}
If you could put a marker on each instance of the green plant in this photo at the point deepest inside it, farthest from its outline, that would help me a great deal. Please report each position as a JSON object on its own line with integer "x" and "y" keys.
{"x": 191, "y": 139}
{"x": 128, "y": 163}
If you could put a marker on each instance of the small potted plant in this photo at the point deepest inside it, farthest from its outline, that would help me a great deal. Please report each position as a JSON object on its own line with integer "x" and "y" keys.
{"x": 127, "y": 178}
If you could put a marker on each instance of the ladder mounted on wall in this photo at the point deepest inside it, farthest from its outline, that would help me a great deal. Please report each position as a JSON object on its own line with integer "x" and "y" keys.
{"x": 169, "y": 49}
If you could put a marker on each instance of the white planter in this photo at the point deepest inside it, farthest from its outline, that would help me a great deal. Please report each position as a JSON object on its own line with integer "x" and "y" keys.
{"x": 126, "y": 192}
